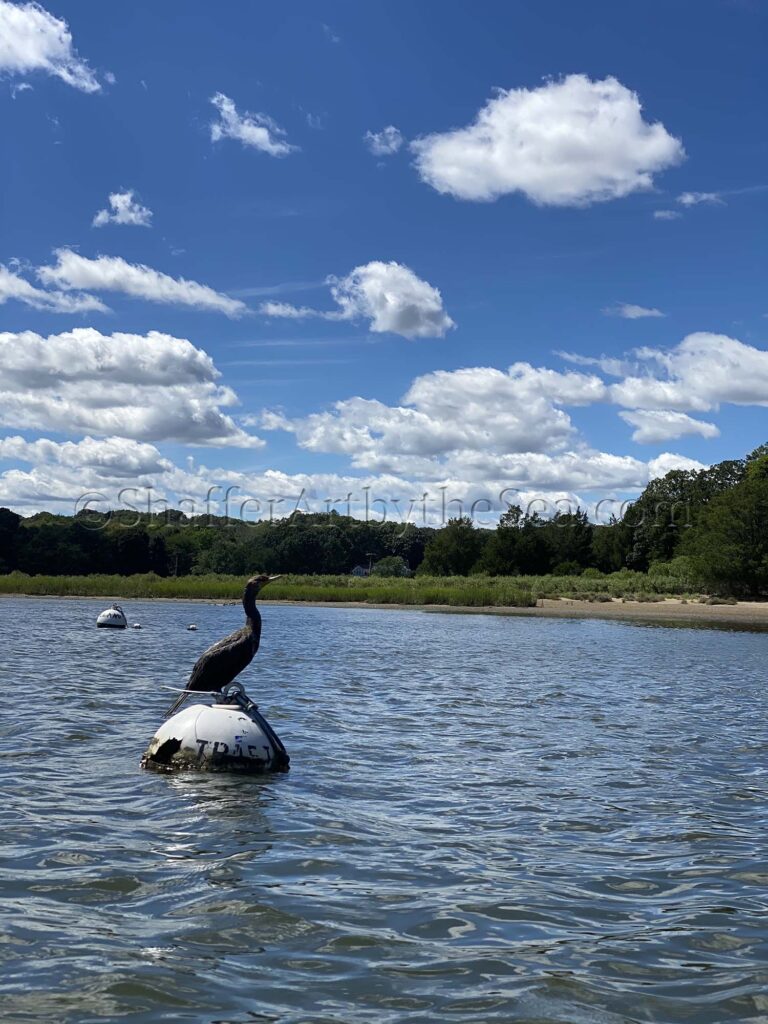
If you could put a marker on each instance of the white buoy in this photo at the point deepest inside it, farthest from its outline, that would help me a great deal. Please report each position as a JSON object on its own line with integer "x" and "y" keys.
{"x": 137, "y": 625}
{"x": 192, "y": 626}
{"x": 112, "y": 618}
{"x": 228, "y": 736}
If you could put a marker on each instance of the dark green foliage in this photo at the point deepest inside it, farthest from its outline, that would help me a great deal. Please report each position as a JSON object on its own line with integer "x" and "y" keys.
{"x": 454, "y": 550}
{"x": 668, "y": 507}
{"x": 569, "y": 536}
{"x": 610, "y": 546}
{"x": 534, "y": 554}
{"x": 500, "y": 555}
{"x": 567, "y": 569}
{"x": 9, "y": 525}
{"x": 391, "y": 565}
{"x": 125, "y": 542}
{"x": 729, "y": 543}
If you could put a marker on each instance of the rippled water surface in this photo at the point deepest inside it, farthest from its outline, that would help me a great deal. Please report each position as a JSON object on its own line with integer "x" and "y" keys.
{"x": 487, "y": 819}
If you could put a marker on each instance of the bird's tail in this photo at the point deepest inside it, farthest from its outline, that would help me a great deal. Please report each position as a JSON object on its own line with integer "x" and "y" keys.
{"x": 177, "y": 703}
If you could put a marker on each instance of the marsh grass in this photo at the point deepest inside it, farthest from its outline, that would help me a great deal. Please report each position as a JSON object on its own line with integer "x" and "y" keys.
{"x": 455, "y": 591}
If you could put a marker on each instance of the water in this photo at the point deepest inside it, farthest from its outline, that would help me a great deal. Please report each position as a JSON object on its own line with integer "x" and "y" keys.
{"x": 487, "y": 819}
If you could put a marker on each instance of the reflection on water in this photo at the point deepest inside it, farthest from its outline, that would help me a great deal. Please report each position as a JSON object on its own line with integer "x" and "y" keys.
{"x": 487, "y": 819}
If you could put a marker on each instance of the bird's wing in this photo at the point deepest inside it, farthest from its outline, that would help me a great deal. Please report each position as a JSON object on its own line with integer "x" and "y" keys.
{"x": 222, "y": 662}
{"x": 211, "y": 653}
{"x": 217, "y": 666}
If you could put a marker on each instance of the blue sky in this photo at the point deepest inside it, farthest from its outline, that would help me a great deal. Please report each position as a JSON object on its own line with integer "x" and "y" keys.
{"x": 609, "y": 204}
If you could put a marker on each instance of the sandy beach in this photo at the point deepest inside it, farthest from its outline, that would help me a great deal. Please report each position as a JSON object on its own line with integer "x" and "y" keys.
{"x": 751, "y": 614}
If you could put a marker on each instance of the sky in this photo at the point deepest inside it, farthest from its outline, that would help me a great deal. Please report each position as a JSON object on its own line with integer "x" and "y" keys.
{"x": 410, "y": 259}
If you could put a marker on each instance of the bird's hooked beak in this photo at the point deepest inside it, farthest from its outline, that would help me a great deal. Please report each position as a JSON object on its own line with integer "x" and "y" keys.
{"x": 256, "y": 584}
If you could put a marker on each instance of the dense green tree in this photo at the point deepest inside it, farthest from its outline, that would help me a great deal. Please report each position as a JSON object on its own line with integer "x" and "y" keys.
{"x": 54, "y": 550}
{"x": 760, "y": 452}
{"x": 182, "y": 550}
{"x": 499, "y": 557}
{"x": 158, "y": 556}
{"x": 533, "y": 553}
{"x": 669, "y": 507}
{"x": 454, "y": 550}
{"x": 609, "y": 546}
{"x": 131, "y": 548}
{"x": 658, "y": 518}
{"x": 409, "y": 543}
{"x": 729, "y": 543}
{"x": 9, "y": 525}
{"x": 569, "y": 536}
{"x": 308, "y": 548}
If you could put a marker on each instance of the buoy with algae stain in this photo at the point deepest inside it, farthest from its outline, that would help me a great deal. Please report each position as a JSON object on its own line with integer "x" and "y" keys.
{"x": 230, "y": 735}
{"x": 112, "y": 618}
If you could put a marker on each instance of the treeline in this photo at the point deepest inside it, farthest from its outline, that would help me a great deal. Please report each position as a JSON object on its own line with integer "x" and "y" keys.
{"x": 708, "y": 526}
{"x": 125, "y": 543}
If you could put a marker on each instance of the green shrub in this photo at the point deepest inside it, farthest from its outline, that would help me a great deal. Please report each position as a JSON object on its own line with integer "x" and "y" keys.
{"x": 567, "y": 569}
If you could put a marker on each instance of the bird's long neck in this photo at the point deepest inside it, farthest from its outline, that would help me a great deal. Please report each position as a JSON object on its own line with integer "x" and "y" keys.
{"x": 252, "y": 616}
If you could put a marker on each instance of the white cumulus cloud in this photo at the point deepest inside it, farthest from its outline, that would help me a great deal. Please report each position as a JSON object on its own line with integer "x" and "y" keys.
{"x": 474, "y": 415}
{"x": 464, "y": 434}
{"x": 256, "y": 130}
{"x": 668, "y": 461}
{"x": 655, "y": 425}
{"x": 390, "y": 296}
{"x": 150, "y": 387}
{"x": 569, "y": 142}
{"x": 666, "y": 215}
{"x": 386, "y": 142}
{"x": 125, "y": 209}
{"x": 482, "y": 423}
{"x": 64, "y": 471}
{"x": 110, "y": 457}
{"x": 629, "y": 311}
{"x": 699, "y": 374}
{"x": 114, "y": 274}
{"x": 33, "y": 39}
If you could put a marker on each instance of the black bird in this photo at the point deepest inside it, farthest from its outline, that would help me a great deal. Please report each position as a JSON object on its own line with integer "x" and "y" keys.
{"x": 219, "y": 665}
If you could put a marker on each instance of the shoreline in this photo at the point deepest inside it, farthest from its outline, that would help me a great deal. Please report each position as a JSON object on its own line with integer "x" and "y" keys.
{"x": 671, "y": 611}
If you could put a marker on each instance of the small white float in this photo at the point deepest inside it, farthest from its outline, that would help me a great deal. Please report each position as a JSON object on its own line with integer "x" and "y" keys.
{"x": 230, "y": 735}
{"x": 192, "y": 626}
{"x": 112, "y": 618}
{"x": 136, "y": 625}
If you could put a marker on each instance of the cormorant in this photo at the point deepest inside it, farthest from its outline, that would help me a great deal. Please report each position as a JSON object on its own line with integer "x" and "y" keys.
{"x": 219, "y": 665}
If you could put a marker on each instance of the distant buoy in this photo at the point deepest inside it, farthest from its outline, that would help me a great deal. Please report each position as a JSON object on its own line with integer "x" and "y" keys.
{"x": 231, "y": 735}
{"x": 137, "y": 625}
{"x": 192, "y": 626}
{"x": 112, "y": 618}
